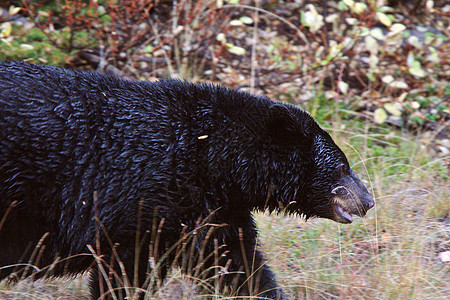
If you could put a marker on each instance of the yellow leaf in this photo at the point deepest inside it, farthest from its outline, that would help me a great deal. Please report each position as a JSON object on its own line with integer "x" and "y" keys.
{"x": 415, "y": 105}
{"x": 13, "y": 10}
{"x": 371, "y": 45}
{"x": 26, "y": 47}
{"x": 349, "y": 3}
{"x": 414, "y": 40}
{"x": 332, "y": 18}
{"x": 236, "y": 23}
{"x": 343, "y": 87}
{"x": 246, "y": 20}
{"x": 43, "y": 13}
{"x": 399, "y": 84}
{"x": 387, "y": 79}
{"x": 410, "y": 59}
{"x": 351, "y": 21}
{"x": 237, "y": 50}
{"x": 6, "y": 30}
{"x": 393, "y": 109}
{"x": 397, "y": 28}
{"x": 380, "y": 116}
{"x": 5, "y": 41}
{"x": 402, "y": 97}
{"x": 373, "y": 61}
{"x": 313, "y": 19}
{"x": 359, "y": 7}
{"x": 384, "y": 19}
{"x": 377, "y": 33}
{"x": 417, "y": 70}
{"x": 221, "y": 38}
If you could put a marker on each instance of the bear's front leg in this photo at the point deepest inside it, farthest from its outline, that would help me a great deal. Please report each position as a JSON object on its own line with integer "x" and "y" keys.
{"x": 259, "y": 280}
{"x": 268, "y": 287}
{"x": 255, "y": 277}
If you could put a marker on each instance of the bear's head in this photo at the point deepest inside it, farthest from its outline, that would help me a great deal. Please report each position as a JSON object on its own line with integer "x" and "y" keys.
{"x": 335, "y": 185}
{"x": 329, "y": 188}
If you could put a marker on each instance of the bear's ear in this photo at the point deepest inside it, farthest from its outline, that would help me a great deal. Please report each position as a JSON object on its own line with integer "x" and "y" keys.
{"x": 282, "y": 126}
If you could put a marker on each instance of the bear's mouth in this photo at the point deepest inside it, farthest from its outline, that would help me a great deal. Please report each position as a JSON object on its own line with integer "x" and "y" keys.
{"x": 341, "y": 214}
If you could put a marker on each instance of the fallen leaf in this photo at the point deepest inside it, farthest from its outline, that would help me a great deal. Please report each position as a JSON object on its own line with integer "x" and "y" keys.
{"x": 402, "y": 96}
{"x": 237, "y": 50}
{"x": 359, "y": 7}
{"x": 3, "y": 40}
{"x": 178, "y": 30}
{"x": 387, "y": 79}
{"x": 149, "y": 49}
{"x": 380, "y": 116}
{"x": 349, "y": 3}
{"x": 393, "y": 109}
{"x": 371, "y": 45}
{"x": 43, "y": 13}
{"x": 331, "y": 18}
{"x": 429, "y": 5}
{"x": 433, "y": 56}
{"x": 221, "y": 38}
{"x": 246, "y": 20}
{"x": 26, "y": 47}
{"x": 377, "y": 33}
{"x": 414, "y": 40}
{"x": 351, "y": 21}
{"x": 236, "y": 23}
{"x": 417, "y": 70}
{"x": 397, "y": 28}
{"x": 399, "y": 84}
{"x": 415, "y": 105}
{"x": 14, "y": 10}
{"x": 6, "y": 30}
{"x": 384, "y": 19}
{"x": 343, "y": 87}
{"x": 331, "y": 94}
{"x": 312, "y": 19}
{"x": 436, "y": 41}
{"x": 410, "y": 59}
{"x": 373, "y": 61}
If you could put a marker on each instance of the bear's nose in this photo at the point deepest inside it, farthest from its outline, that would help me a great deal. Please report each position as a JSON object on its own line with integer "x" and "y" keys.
{"x": 369, "y": 203}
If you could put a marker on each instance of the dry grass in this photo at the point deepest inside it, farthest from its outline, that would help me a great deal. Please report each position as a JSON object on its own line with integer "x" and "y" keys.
{"x": 64, "y": 288}
{"x": 390, "y": 254}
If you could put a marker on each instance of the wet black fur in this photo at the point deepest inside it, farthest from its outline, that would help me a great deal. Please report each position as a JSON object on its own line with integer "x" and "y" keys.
{"x": 65, "y": 134}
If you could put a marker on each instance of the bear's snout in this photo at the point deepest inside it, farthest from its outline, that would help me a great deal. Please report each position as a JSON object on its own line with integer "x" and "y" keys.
{"x": 350, "y": 197}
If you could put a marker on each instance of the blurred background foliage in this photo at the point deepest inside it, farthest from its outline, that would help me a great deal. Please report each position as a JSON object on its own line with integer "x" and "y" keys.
{"x": 382, "y": 60}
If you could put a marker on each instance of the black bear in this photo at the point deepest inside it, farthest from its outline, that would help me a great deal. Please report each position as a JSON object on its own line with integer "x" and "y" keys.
{"x": 92, "y": 159}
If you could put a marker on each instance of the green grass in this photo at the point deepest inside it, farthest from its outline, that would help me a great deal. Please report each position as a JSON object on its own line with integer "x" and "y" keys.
{"x": 389, "y": 254}
{"x": 41, "y": 50}
{"x": 392, "y": 252}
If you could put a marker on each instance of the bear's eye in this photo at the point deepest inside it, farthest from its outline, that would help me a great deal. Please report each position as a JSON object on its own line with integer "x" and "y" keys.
{"x": 340, "y": 190}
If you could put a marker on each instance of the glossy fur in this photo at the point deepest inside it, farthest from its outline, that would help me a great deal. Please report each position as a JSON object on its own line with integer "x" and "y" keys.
{"x": 185, "y": 149}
